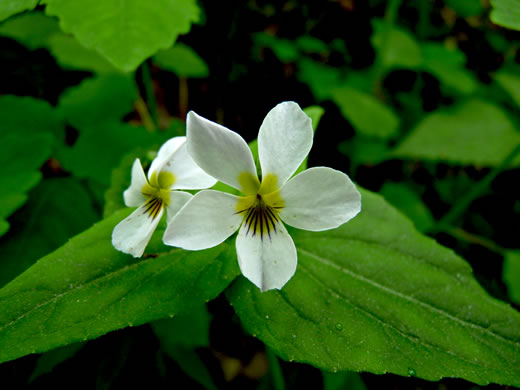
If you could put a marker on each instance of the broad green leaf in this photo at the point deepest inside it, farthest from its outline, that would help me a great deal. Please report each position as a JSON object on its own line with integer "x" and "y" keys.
{"x": 410, "y": 203}
{"x": 182, "y": 60}
{"x": 49, "y": 360}
{"x": 375, "y": 295}
{"x": 506, "y": 13}
{"x": 396, "y": 47}
{"x": 309, "y": 44}
{"x": 70, "y": 54}
{"x": 320, "y": 78}
{"x": 32, "y": 29}
{"x": 342, "y": 381}
{"x": 11, "y": 7}
{"x": 466, "y": 8}
{"x": 190, "y": 329}
{"x": 125, "y": 32}
{"x": 57, "y": 209}
{"x": 99, "y": 99}
{"x": 448, "y": 66}
{"x": 368, "y": 115}
{"x": 365, "y": 150}
{"x": 475, "y": 132}
{"x": 510, "y": 82}
{"x": 28, "y": 130}
{"x": 87, "y": 288}
{"x": 284, "y": 49}
{"x": 511, "y": 274}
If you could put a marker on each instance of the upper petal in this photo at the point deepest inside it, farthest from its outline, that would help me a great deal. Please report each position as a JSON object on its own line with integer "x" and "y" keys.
{"x": 319, "y": 198}
{"x": 133, "y": 195}
{"x": 177, "y": 200}
{"x": 284, "y": 140}
{"x": 205, "y": 221}
{"x": 165, "y": 153}
{"x": 220, "y": 152}
{"x": 187, "y": 174}
{"x": 133, "y": 233}
{"x": 269, "y": 262}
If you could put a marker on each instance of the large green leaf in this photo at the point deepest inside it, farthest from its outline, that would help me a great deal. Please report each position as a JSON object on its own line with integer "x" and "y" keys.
{"x": 511, "y": 274}
{"x": 510, "y": 82}
{"x": 125, "y": 32}
{"x": 11, "y": 7}
{"x": 57, "y": 209}
{"x": 87, "y": 288}
{"x": 32, "y": 29}
{"x": 506, "y": 13}
{"x": 375, "y": 295}
{"x": 28, "y": 130}
{"x": 475, "y": 132}
{"x": 182, "y": 60}
{"x": 367, "y": 114}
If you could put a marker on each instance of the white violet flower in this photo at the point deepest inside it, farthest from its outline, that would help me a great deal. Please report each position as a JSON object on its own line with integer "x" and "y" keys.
{"x": 316, "y": 199}
{"x": 172, "y": 169}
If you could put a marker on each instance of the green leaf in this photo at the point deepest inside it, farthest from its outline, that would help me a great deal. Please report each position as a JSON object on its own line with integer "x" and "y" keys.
{"x": 87, "y": 288}
{"x": 475, "y": 132}
{"x": 125, "y": 32}
{"x": 448, "y": 66}
{"x": 506, "y": 13}
{"x": 466, "y": 8}
{"x": 45, "y": 223}
{"x": 365, "y": 150}
{"x": 32, "y": 29}
{"x": 396, "y": 47}
{"x": 321, "y": 79}
{"x": 182, "y": 60}
{"x": 11, "y": 7}
{"x": 510, "y": 82}
{"x": 309, "y": 44}
{"x": 375, "y": 295}
{"x": 315, "y": 113}
{"x": 342, "y": 381}
{"x": 368, "y": 115}
{"x": 28, "y": 130}
{"x": 49, "y": 360}
{"x": 99, "y": 99}
{"x": 70, "y": 54}
{"x": 284, "y": 49}
{"x": 190, "y": 329}
{"x": 410, "y": 203}
{"x": 511, "y": 274}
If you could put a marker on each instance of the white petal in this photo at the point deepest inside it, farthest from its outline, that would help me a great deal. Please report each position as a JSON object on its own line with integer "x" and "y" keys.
{"x": 133, "y": 233}
{"x": 188, "y": 175}
{"x": 205, "y": 221}
{"x": 220, "y": 152}
{"x": 319, "y": 199}
{"x": 284, "y": 140}
{"x": 177, "y": 200}
{"x": 165, "y": 154}
{"x": 268, "y": 262}
{"x": 133, "y": 195}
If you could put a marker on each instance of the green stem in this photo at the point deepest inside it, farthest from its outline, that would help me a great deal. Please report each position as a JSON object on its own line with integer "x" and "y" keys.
{"x": 276, "y": 370}
{"x": 460, "y": 207}
{"x": 150, "y": 95}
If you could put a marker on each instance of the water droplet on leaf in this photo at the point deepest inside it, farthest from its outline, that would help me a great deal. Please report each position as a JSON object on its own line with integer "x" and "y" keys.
{"x": 339, "y": 326}
{"x": 411, "y": 372}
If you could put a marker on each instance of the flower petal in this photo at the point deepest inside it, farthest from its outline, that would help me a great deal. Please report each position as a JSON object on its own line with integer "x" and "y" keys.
{"x": 220, "y": 152}
{"x": 165, "y": 154}
{"x": 205, "y": 221}
{"x": 133, "y": 195}
{"x": 284, "y": 140}
{"x": 268, "y": 262}
{"x": 319, "y": 199}
{"x": 133, "y": 233}
{"x": 187, "y": 174}
{"x": 177, "y": 200}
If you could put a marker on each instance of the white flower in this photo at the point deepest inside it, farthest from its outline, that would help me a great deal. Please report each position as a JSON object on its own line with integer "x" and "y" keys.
{"x": 316, "y": 199}
{"x": 172, "y": 169}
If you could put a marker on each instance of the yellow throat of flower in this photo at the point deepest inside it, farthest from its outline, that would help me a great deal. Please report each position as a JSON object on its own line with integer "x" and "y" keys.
{"x": 157, "y": 192}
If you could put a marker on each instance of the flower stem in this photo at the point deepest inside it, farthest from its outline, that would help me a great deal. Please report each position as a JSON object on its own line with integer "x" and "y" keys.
{"x": 460, "y": 207}
{"x": 276, "y": 370}
{"x": 150, "y": 95}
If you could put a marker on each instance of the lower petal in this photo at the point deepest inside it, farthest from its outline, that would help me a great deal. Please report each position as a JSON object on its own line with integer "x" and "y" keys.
{"x": 319, "y": 199}
{"x": 204, "y": 222}
{"x": 268, "y": 261}
{"x": 133, "y": 233}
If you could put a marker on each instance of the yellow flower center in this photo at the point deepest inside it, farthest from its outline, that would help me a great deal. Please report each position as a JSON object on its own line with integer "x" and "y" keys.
{"x": 158, "y": 192}
{"x": 261, "y": 205}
